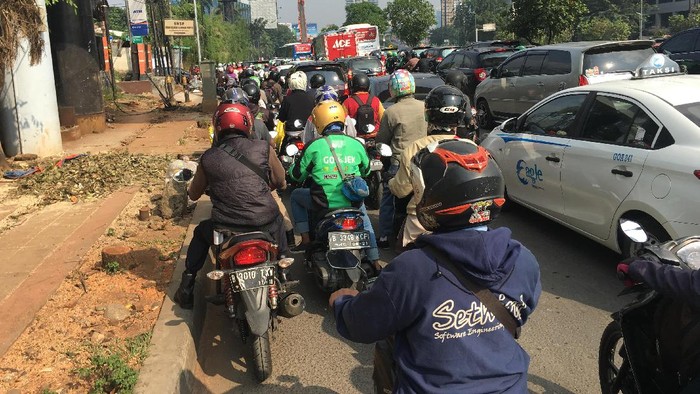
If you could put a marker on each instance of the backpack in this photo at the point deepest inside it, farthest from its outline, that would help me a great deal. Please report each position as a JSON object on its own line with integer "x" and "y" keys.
{"x": 364, "y": 115}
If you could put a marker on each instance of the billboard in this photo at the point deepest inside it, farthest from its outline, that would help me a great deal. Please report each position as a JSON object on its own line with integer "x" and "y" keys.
{"x": 311, "y": 29}
{"x": 138, "y": 20}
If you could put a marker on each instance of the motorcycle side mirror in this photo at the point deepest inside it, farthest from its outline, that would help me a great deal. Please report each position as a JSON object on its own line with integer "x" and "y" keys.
{"x": 384, "y": 149}
{"x": 633, "y": 230}
{"x": 291, "y": 150}
{"x": 298, "y": 124}
{"x": 273, "y": 134}
{"x": 184, "y": 175}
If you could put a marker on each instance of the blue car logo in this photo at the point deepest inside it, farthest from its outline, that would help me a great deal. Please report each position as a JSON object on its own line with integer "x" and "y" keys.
{"x": 519, "y": 167}
{"x": 527, "y": 174}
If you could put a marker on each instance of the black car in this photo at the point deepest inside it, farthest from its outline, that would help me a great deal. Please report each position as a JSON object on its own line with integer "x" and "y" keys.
{"x": 369, "y": 65}
{"x": 475, "y": 63}
{"x": 333, "y": 72}
{"x": 494, "y": 43}
{"x": 684, "y": 48}
{"x": 425, "y": 82}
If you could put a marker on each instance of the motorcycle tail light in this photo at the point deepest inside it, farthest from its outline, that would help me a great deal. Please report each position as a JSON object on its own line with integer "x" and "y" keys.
{"x": 250, "y": 255}
{"x": 582, "y": 80}
{"x": 697, "y": 173}
{"x": 248, "y": 252}
{"x": 299, "y": 145}
{"x": 348, "y": 223}
{"x": 480, "y": 74}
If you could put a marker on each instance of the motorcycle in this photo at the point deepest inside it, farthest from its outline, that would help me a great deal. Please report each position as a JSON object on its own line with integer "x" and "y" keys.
{"x": 252, "y": 284}
{"x": 633, "y": 352}
{"x": 379, "y": 156}
{"x": 293, "y": 136}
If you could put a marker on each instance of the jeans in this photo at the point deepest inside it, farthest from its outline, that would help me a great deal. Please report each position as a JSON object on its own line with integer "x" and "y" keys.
{"x": 386, "y": 206}
{"x": 301, "y": 205}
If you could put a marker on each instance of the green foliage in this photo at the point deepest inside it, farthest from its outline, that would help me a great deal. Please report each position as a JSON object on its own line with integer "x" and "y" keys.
{"x": 117, "y": 20}
{"x": 440, "y": 34}
{"x": 281, "y": 35}
{"x": 112, "y": 267}
{"x": 601, "y": 28}
{"x": 366, "y": 12}
{"x": 330, "y": 27}
{"x": 111, "y": 369}
{"x": 546, "y": 21}
{"x": 223, "y": 41}
{"x": 487, "y": 11}
{"x": 410, "y": 19}
{"x": 679, "y": 22}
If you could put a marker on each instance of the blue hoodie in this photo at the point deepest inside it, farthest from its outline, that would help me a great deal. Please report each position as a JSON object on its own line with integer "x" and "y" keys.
{"x": 446, "y": 341}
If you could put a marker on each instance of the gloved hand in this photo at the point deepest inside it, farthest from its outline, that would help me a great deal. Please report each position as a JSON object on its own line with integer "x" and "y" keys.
{"x": 623, "y": 272}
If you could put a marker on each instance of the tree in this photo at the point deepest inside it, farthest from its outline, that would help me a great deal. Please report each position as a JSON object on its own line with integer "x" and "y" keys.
{"x": 487, "y": 11}
{"x": 224, "y": 41}
{"x": 546, "y": 21}
{"x": 330, "y": 27}
{"x": 410, "y": 19}
{"x": 680, "y": 22}
{"x": 262, "y": 44}
{"x": 117, "y": 20}
{"x": 366, "y": 12}
{"x": 441, "y": 35}
{"x": 281, "y": 35}
{"x": 601, "y": 28}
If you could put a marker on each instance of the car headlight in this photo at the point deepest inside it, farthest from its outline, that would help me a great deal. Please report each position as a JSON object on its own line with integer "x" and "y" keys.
{"x": 690, "y": 254}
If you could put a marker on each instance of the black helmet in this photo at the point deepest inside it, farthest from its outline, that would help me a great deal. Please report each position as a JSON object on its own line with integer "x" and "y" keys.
{"x": 359, "y": 83}
{"x": 247, "y": 73}
{"x": 457, "y": 185}
{"x": 274, "y": 75}
{"x": 252, "y": 91}
{"x": 316, "y": 81}
{"x": 446, "y": 106}
{"x": 457, "y": 79}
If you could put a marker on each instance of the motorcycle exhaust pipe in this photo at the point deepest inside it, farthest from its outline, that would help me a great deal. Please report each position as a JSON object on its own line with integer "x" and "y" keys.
{"x": 292, "y": 305}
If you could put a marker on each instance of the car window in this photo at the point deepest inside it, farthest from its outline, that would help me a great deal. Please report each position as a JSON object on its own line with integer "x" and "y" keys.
{"x": 467, "y": 61}
{"x": 618, "y": 121}
{"x": 697, "y": 43}
{"x": 447, "y": 62}
{"x": 683, "y": 42}
{"x": 511, "y": 68}
{"x": 533, "y": 64}
{"x": 332, "y": 77}
{"x": 690, "y": 111}
{"x": 457, "y": 61}
{"x": 493, "y": 59}
{"x": 556, "y": 62}
{"x": 366, "y": 64}
{"x": 555, "y": 118}
{"x": 609, "y": 60}
{"x": 447, "y": 51}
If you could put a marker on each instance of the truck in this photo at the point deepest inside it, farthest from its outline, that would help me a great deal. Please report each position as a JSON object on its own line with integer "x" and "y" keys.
{"x": 333, "y": 45}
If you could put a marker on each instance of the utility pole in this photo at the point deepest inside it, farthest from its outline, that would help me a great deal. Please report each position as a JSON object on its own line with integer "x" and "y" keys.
{"x": 196, "y": 31}
{"x": 105, "y": 14}
{"x": 641, "y": 17}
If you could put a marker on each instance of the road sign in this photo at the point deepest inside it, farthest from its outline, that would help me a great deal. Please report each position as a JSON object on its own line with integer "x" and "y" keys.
{"x": 179, "y": 27}
{"x": 137, "y": 40}
{"x": 489, "y": 27}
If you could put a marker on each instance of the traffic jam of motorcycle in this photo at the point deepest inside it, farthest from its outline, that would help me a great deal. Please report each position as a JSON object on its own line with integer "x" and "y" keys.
{"x": 302, "y": 149}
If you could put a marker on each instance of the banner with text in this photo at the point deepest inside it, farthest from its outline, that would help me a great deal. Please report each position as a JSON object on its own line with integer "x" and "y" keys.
{"x": 138, "y": 20}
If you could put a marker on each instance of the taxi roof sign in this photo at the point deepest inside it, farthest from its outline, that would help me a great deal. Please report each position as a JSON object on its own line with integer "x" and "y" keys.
{"x": 658, "y": 65}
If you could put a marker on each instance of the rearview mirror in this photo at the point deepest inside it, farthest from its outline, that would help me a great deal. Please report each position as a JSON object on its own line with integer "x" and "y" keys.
{"x": 291, "y": 150}
{"x": 493, "y": 73}
{"x": 633, "y": 230}
{"x": 384, "y": 149}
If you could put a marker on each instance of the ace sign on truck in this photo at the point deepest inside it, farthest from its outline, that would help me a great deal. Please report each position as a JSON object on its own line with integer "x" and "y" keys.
{"x": 335, "y": 45}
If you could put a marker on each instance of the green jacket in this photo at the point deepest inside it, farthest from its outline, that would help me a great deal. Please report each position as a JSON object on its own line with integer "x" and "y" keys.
{"x": 317, "y": 163}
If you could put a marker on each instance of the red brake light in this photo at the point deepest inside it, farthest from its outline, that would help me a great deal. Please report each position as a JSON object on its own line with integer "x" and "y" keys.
{"x": 348, "y": 223}
{"x": 250, "y": 255}
{"x": 480, "y": 74}
{"x": 582, "y": 80}
{"x": 499, "y": 50}
{"x": 299, "y": 145}
{"x": 697, "y": 173}
{"x": 439, "y": 59}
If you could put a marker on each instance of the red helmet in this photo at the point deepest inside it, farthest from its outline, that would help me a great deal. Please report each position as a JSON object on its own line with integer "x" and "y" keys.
{"x": 229, "y": 69}
{"x": 233, "y": 118}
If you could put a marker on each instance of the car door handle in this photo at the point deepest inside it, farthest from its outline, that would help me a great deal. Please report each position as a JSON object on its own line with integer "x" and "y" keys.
{"x": 624, "y": 173}
{"x": 553, "y": 159}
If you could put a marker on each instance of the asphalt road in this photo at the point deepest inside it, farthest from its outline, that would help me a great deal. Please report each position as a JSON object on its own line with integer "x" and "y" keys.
{"x": 579, "y": 293}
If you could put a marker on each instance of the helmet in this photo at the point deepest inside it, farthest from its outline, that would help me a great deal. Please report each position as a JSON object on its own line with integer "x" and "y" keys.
{"x": 274, "y": 75}
{"x": 457, "y": 185}
{"x": 401, "y": 83}
{"x": 359, "y": 83}
{"x": 235, "y": 95}
{"x": 325, "y": 93}
{"x": 316, "y": 81}
{"x": 457, "y": 79}
{"x": 402, "y": 54}
{"x": 446, "y": 106}
{"x": 328, "y": 116}
{"x": 247, "y": 73}
{"x": 229, "y": 69}
{"x": 252, "y": 91}
{"x": 233, "y": 118}
{"x": 297, "y": 81}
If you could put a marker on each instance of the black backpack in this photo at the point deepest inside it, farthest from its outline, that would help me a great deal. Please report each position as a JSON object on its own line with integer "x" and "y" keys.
{"x": 364, "y": 115}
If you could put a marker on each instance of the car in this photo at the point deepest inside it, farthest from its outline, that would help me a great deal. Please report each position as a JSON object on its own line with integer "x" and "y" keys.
{"x": 589, "y": 156}
{"x": 369, "y": 65}
{"x": 333, "y": 72}
{"x": 475, "y": 63}
{"x": 532, "y": 74}
{"x": 495, "y": 43}
{"x": 684, "y": 48}
{"x": 418, "y": 50}
{"x": 425, "y": 82}
{"x": 437, "y": 54}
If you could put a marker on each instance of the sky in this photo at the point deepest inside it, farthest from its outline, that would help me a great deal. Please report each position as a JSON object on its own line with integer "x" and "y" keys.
{"x": 322, "y": 12}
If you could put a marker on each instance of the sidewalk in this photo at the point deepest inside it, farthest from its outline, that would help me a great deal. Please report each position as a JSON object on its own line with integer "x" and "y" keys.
{"x": 36, "y": 256}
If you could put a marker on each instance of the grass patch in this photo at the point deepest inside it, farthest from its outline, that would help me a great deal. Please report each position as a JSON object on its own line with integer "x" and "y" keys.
{"x": 112, "y": 268}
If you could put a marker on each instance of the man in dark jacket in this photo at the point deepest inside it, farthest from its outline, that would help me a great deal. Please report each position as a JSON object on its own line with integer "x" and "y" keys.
{"x": 446, "y": 340}
{"x": 241, "y": 199}
{"x": 298, "y": 104}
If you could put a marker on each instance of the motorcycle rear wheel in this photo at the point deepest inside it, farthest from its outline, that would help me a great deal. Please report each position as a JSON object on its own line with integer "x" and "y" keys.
{"x": 374, "y": 183}
{"x": 613, "y": 367}
{"x": 262, "y": 355}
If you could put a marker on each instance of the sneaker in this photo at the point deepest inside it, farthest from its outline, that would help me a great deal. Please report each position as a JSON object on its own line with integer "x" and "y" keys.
{"x": 383, "y": 242}
{"x": 298, "y": 249}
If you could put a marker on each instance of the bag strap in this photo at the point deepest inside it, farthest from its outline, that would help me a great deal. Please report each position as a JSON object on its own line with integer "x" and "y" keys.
{"x": 337, "y": 162}
{"x": 244, "y": 160}
{"x": 357, "y": 100}
{"x": 483, "y": 294}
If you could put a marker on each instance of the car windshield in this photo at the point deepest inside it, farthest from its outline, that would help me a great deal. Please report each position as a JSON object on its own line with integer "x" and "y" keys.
{"x": 332, "y": 77}
{"x": 493, "y": 59}
{"x": 690, "y": 111}
{"x": 610, "y": 60}
{"x": 366, "y": 64}
{"x": 447, "y": 51}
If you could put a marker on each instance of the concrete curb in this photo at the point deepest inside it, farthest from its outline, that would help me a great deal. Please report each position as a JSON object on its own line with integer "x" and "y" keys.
{"x": 172, "y": 354}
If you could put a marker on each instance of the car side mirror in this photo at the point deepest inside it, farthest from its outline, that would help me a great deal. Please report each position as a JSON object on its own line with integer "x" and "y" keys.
{"x": 493, "y": 73}
{"x": 509, "y": 125}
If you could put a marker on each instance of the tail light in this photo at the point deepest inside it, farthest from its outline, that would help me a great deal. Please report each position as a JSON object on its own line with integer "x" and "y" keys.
{"x": 582, "y": 80}
{"x": 249, "y": 252}
{"x": 480, "y": 74}
{"x": 697, "y": 173}
{"x": 439, "y": 59}
{"x": 299, "y": 145}
{"x": 348, "y": 223}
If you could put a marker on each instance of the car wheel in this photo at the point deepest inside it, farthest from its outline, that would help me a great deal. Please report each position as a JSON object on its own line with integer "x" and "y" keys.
{"x": 655, "y": 233}
{"x": 483, "y": 113}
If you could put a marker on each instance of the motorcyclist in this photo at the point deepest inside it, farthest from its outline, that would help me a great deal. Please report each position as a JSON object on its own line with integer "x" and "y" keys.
{"x": 423, "y": 65}
{"x": 412, "y": 62}
{"x": 401, "y": 124}
{"x": 445, "y": 339}
{"x": 359, "y": 89}
{"x": 275, "y": 88}
{"x": 468, "y": 128}
{"x": 315, "y": 82}
{"x": 241, "y": 199}
{"x": 325, "y": 193}
{"x": 261, "y": 115}
{"x": 445, "y": 107}
{"x": 325, "y": 93}
{"x": 297, "y": 104}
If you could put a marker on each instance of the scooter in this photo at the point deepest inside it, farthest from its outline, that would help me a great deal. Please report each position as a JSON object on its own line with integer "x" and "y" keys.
{"x": 254, "y": 287}
{"x": 379, "y": 156}
{"x": 633, "y": 352}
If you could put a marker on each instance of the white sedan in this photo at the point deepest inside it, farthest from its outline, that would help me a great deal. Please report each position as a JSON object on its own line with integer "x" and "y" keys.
{"x": 589, "y": 156}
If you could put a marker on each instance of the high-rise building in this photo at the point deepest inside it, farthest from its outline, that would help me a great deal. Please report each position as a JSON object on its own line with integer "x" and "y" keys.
{"x": 348, "y": 2}
{"x": 265, "y": 9}
{"x": 448, "y": 9}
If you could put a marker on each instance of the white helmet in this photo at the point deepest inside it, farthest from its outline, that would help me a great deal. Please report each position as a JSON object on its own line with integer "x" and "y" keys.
{"x": 297, "y": 81}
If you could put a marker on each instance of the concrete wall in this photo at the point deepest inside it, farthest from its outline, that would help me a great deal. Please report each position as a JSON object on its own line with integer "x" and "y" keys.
{"x": 266, "y": 9}
{"x": 28, "y": 110}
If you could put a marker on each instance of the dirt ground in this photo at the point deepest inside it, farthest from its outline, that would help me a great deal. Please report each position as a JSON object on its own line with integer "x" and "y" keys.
{"x": 95, "y": 311}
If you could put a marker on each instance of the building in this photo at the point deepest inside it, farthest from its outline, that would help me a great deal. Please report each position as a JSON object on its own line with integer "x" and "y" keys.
{"x": 661, "y": 10}
{"x": 265, "y": 9}
{"x": 233, "y": 9}
{"x": 438, "y": 18}
{"x": 448, "y": 9}
{"x": 348, "y": 2}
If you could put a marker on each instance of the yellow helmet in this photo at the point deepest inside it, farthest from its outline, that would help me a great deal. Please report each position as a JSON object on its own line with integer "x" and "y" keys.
{"x": 328, "y": 113}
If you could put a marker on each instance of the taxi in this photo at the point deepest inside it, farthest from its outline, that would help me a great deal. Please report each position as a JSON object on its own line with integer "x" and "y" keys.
{"x": 589, "y": 156}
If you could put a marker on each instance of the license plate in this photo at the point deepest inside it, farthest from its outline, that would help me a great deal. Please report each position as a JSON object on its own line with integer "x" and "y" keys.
{"x": 375, "y": 165}
{"x": 252, "y": 278}
{"x": 356, "y": 240}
